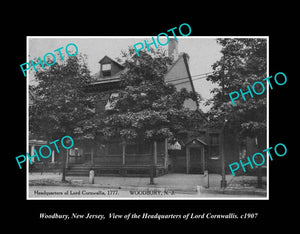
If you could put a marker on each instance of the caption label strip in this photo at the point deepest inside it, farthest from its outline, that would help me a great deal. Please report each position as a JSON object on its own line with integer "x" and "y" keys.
{"x": 148, "y": 216}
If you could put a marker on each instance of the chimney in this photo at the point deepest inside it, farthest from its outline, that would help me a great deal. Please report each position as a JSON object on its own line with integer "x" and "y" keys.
{"x": 173, "y": 48}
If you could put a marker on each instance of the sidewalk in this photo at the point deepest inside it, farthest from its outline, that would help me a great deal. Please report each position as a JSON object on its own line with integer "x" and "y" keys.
{"x": 186, "y": 183}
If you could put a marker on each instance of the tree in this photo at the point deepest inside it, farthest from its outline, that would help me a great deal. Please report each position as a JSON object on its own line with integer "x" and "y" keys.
{"x": 63, "y": 108}
{"x": 243, "y": 63}
{"x": 146, "y": 107}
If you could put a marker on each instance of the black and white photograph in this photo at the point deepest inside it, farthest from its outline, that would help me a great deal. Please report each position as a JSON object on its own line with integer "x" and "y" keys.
{"x": 144, "y": 117}
{"x": 148, "y": 117}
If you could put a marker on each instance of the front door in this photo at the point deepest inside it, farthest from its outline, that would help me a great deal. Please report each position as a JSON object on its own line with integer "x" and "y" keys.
{"x": 196, "y": 161}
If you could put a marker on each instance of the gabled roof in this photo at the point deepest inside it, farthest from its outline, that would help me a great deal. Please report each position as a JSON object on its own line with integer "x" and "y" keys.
{"x": 99, "y": 78}
{"x": 108, "y": 58}
{"x": 195, "y": 141}
{"x": 116, "y": 77}
{"x": 185, "y": 55}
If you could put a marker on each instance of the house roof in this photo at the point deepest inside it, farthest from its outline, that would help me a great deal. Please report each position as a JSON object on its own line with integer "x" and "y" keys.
{"x": 106, "y": 57}
{"x": 98, "y": 79}
{"x": 174, "y": 63}
{"x": 116, "y": 77}
{"x": 185, "y": 57}
{"x": 196, "y": 140}
{"x": 114, "y": 81}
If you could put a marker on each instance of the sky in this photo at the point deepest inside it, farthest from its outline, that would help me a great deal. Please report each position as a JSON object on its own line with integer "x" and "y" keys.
{"x": 203, "y": 52}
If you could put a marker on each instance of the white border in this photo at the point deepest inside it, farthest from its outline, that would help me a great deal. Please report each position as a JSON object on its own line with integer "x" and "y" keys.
{"x": 139, "y": 198}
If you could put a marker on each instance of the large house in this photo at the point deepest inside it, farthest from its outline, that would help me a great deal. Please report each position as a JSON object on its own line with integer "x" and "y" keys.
{"x": 198, "y": 151}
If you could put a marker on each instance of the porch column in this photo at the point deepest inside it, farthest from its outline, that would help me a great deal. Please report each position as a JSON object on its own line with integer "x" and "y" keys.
{"x": 187, "y": 150}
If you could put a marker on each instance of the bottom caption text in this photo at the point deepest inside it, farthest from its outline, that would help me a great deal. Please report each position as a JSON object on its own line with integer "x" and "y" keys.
{"x": 147, "y": 216}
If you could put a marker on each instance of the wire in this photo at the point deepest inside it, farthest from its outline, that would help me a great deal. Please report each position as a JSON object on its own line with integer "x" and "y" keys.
{"x": 199, "y": 78}
{"x": 182, "y": 78}
{"x": 188, "y": 81}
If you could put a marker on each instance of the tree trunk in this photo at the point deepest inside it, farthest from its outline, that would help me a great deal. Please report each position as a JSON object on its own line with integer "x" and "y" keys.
{"x": 153, "y": 163}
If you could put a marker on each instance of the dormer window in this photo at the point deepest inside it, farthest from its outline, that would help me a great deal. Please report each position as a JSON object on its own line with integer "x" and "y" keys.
{"x": 106, "y": 69}
{"x": 109, "y": 68}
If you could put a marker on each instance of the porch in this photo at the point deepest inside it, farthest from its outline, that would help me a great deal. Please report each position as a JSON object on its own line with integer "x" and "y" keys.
{"x": 139, "y": 161}
{"x": 120, "y": 159}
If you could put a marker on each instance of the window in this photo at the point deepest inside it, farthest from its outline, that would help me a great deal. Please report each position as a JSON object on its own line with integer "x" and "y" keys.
{"x": 106, "y": 69}
{"x": 214, "y": 152}
{"x": 214, "y": 146}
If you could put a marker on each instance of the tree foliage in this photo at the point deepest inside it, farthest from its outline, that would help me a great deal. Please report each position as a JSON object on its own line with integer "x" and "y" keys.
{"x": 243, "y": 62}
{"x": 62, "y": 107}
{"x": 147, "y": 108}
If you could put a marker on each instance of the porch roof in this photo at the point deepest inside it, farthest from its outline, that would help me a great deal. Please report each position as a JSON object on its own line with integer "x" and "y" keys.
{"x": 195, "y": 141}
